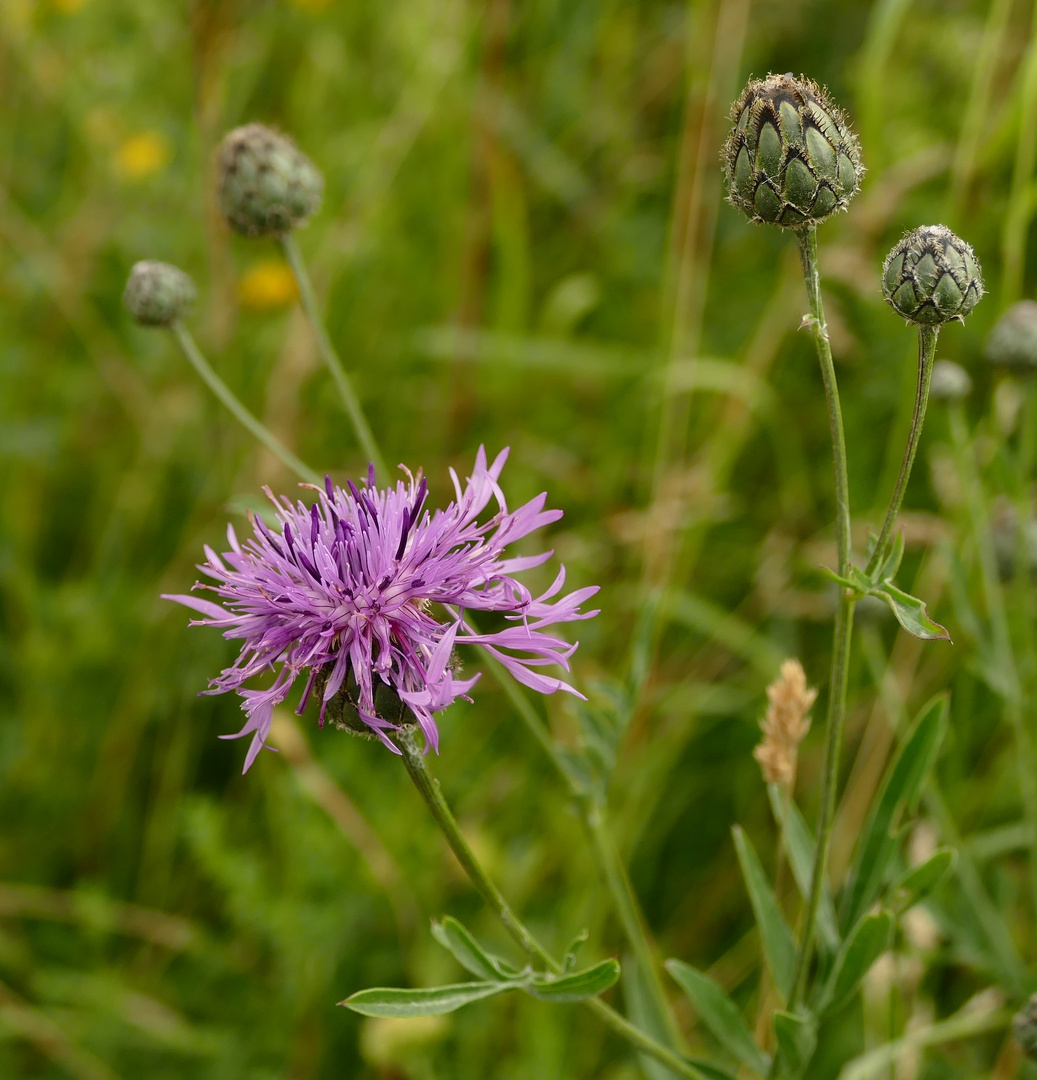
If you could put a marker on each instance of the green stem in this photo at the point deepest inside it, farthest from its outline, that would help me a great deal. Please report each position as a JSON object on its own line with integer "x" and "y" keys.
{"x": 843, "y": 630}
{"x": 327, "y": 351}
{"x": 603, "y": 847}
{"x": 428, "y": 788}
{"x": 927, "y": 336}
{"x": 226, "y": 395}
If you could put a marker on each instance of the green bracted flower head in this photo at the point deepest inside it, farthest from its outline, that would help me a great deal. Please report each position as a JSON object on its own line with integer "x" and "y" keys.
{"x": 158, "y": 294}
{"x": 932, "y": 277}
{"x": 791, "y": 159}
{"x": 267, "y": 185}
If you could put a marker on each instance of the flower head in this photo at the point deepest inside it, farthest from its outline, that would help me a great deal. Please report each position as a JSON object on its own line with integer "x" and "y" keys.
{"x": 791, "y": 158}
{"x": 932, "y": 276}
{"x": 365, "y": 592}
{"x": 786, "y": 724}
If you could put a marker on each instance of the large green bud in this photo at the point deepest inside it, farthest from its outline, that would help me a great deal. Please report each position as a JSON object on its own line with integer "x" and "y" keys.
{"x": 267, "y": 185}
{"x": 158, "y": 294}
{"x": 932, "y": 277}
{"x": 1012, "y": 344}
{"x": 791, "y": 158}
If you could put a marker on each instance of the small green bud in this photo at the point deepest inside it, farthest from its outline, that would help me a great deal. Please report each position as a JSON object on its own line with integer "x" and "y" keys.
{"x": 791, "y": 158}
{"x": 932, "y": 276}
{"x": 158, "y": 294}
{"x": 1024, "y": 1028}
{"x": 1012, "y": 343}
{"x": 950, "y": 382}
{"x": 267, "y": 185}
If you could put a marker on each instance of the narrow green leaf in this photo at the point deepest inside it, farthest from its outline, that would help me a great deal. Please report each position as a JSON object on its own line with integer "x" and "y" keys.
{"x": 709, "y": 1069}
{"x": 399, "y": 1003}
{"x": 862, "y": 948}
{"x": 901, "y": 789}
{"x": 797, "y": 1040}
{"x": 779, "y": 946}
{"x": 799, "y": 845}
{"x": 910, "y": 612}
{"x": 893, "y": 559}
{"x": 645, "y": 1013}
{"x": 469, "y": 953}
{"x": 578, "y": 986}
{"x": 919, "y": 881}
{"x": 720, "y": 1014}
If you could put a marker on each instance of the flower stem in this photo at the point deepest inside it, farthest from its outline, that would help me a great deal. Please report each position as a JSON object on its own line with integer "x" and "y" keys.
{"x": 927, "y": 336}
{"x": 227, "y": 396}
{"x": 327, "y": 351}
{"x": 428, "y": 788}
{"x": 843, "y": 629}
{"x": 603, "y": 847}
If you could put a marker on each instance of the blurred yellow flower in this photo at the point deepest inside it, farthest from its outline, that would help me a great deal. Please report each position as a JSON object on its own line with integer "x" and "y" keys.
{"x": 67, "y": 7}
{"x": 142, "y": 155}
{"x": 266, "y": 285}
{"x": 388, "y": 1042}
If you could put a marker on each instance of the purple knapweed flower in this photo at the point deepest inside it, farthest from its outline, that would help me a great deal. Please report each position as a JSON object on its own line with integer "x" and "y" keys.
{"x": 366, "y": 588}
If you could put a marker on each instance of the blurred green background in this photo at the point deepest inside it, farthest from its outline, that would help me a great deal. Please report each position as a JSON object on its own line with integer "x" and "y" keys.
{"x": 523, "y": 243}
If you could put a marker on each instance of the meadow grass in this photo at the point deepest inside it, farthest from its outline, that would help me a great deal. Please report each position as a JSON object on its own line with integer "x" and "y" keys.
{"x": 523, "y": 243}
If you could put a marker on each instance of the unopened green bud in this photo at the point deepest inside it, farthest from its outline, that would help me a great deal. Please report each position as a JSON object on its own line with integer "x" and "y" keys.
{"x": 932, "y": 276}
{"x": 158, "y": 294}
{"x": 267, "y": 185}
{"x": 791, "y": 158}
{"x": 1013, "y": 341}
{"x": 1024, "y": 1028}
{"x": 950, "y": 382}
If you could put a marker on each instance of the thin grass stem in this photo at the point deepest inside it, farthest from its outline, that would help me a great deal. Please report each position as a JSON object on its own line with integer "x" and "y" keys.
{"x": 245, "y": 418}
{"x": 308, "y": 299}
{"x": 842, "y": 633}
{"x": 429, "y": 789}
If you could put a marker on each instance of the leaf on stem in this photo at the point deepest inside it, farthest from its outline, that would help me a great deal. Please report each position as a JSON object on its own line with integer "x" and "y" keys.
{"x": 398, "y": 1003}
{"x": 797, "y": 1040}
{"x": 577, "y": 986}
{"x": 900, "y": 790}
{"x": 779, "y": 946}
{"x": 867, "y": 942}
{"x": 799, "y": 846}
{"x": 915, "y": 885}
{"x": 470, "y": 954}
{"x": 910, "y": 612}
{"x": 720, "y": 1014}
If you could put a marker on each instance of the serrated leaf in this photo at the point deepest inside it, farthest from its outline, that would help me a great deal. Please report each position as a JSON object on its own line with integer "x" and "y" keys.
{"x": 456, "y": 939}
{"x": 901, "y": 789}
{"x": 797, "y": 1040}
{"x": 867, "y": 942}
{"x": 779, "y": 946}
{"x": 578, "y": 986}
{"x": 399, "y": 1004}
{"x": 799, "y": 845}
{"x": 720, "y": 1014}
{"x": 910, "y": 612}
{"x": 915, "y": 885}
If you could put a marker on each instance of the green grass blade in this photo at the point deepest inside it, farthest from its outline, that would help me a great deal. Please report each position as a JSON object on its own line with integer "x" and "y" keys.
{"x": 720, "y": 1014}
{"x": 779, "y": 946}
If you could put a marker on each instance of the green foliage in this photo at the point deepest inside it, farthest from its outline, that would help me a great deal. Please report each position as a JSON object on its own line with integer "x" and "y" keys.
{"x": 522, "y": 242}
